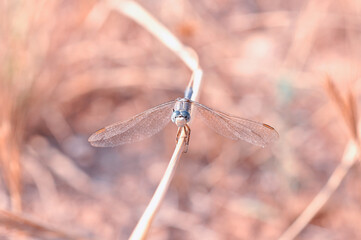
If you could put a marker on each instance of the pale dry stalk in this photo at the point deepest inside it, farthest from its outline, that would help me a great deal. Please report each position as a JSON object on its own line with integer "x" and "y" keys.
{"x": 351, "y": 154}
{"x": 137, "y": 13}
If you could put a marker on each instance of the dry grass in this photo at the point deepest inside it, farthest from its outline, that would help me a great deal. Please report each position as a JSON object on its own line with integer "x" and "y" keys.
{"x": 348, "y": 110}
{"x": 68, "y": 69}
{"x": 31, "y": 228}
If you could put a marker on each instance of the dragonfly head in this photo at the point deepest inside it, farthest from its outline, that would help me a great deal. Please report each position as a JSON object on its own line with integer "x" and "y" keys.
{"x": 180, "y": 118}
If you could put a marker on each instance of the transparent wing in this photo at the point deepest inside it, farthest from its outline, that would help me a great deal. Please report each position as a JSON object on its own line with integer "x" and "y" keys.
{"x": 236, "y": 128}
{"x": 135, "y": 129}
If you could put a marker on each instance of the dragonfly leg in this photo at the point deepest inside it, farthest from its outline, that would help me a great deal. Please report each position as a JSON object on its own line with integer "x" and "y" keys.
{"x": 178, "y": 134}
{"x": 187, "y": 131}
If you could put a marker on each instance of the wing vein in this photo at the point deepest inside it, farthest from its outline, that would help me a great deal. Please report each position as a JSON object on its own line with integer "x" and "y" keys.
{"x": 236, "y": 128}
{"x": 134, "y": 129}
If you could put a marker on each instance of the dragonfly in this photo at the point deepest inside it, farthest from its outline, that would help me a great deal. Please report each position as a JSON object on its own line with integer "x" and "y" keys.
{"x": 179, "y": 111}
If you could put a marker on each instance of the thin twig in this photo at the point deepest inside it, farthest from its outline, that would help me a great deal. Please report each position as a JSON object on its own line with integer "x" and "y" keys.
{"x": 137, "y": 13}
{"x": 143, "y": 225}
{"x": 145, "y": 221}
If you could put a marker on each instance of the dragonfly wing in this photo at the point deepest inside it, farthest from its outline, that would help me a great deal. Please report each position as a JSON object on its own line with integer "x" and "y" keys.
{"x": 135, "y": 129}
{"x": 236, "y": 128}
{"x": 214, "y": 121}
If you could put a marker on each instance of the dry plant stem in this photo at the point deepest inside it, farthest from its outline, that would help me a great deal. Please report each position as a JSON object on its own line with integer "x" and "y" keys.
{"x": 348, "y": 110}
{"x": 137, "y": 13}
{"x": 144, "y": 223}
{"x": 350, "y": 156}
{"x": 196, "y": 83}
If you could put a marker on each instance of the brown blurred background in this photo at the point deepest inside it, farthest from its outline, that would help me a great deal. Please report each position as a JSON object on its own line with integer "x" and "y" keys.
{"x": 64, "y": 73}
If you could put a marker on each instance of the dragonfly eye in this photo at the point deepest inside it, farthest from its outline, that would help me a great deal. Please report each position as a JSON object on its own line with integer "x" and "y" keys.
{"x": 186, "y": 115}
{"x": 175, "y": 114}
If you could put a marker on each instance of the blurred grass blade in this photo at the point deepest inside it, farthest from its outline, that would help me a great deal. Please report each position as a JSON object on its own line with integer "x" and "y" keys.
{"x": 347, "y": 108}
{"x": 32, "y": 228}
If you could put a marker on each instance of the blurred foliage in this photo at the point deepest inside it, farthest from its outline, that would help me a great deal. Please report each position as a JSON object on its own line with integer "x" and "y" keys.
{"x": 66, "y": 72}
